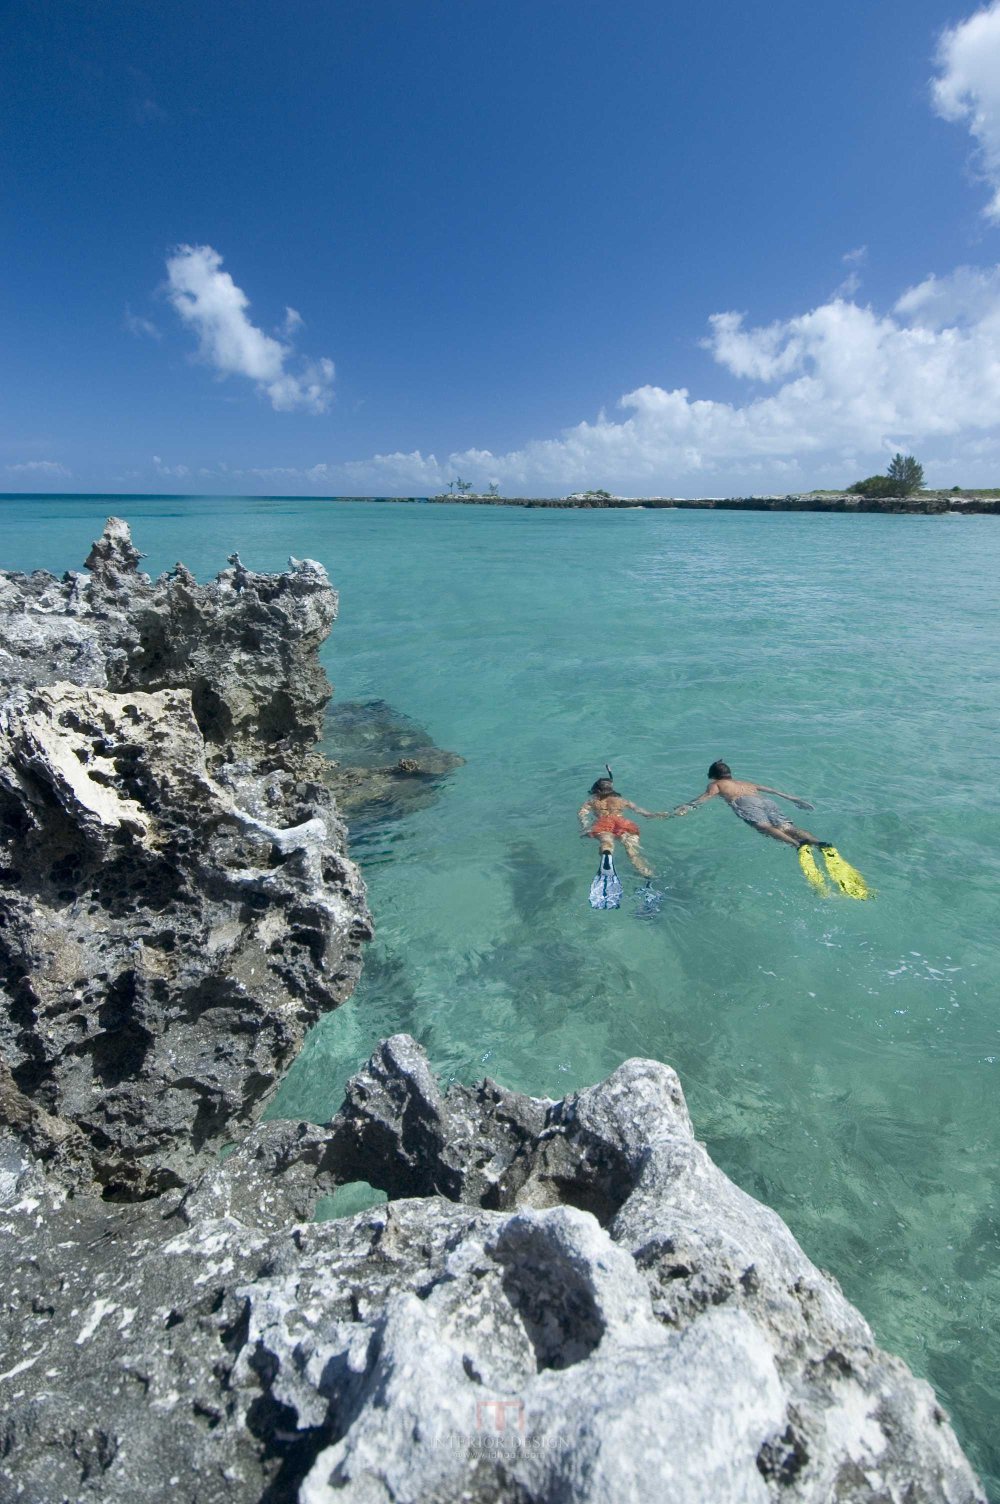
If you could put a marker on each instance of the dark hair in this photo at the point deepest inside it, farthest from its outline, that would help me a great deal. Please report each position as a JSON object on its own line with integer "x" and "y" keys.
{"x": 720, "y": 770}
{"x": 603, "y": 787}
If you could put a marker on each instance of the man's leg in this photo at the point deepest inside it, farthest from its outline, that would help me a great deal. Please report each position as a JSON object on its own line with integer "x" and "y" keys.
{"x": 787, "y": 836}
{"x": 606, "y": 839}
{"x": 635, "y": 856}
{"x": 803, "y": 838}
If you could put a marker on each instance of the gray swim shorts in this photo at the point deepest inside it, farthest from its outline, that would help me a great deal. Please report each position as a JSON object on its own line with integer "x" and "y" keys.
{"x": 756, "y": 810}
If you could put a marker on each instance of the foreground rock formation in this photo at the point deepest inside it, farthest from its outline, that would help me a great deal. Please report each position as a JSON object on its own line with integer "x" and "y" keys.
{"x": 176, "y": 904}
{"x": 560, "y": 1301}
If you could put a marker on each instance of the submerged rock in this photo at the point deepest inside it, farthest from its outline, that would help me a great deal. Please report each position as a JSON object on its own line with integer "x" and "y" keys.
{"x": 591, "y": 1311}
{"x": 176, "y": 903}
{"x": 382, "y": 763}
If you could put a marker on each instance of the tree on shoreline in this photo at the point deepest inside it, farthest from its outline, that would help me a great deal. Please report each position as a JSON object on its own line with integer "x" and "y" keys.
{"x": 903, "y": 477}
{"x": 906, "y": 475}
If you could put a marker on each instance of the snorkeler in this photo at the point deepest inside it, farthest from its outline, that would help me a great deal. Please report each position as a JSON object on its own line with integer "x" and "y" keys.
{"x": 747, "y": 800}
{"x": 611, "y": 823}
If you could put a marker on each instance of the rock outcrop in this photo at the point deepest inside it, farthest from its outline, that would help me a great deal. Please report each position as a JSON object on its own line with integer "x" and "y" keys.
{"x": 562, "y": 1300}
{"x": 176, "y": 903}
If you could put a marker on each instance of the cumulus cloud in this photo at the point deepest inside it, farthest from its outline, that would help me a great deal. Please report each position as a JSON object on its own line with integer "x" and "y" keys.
{"x": 39, "y": 467}
{"x": 210, "y": 303}
{"x": 833, "y": 390}
{"x": 967, "y": 88}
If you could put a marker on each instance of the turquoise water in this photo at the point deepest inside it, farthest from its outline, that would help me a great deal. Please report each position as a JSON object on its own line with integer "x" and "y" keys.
{"x": 840, "y": 1059}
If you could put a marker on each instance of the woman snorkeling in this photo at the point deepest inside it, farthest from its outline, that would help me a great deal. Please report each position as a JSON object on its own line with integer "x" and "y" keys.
{"x": 611, "y": 824}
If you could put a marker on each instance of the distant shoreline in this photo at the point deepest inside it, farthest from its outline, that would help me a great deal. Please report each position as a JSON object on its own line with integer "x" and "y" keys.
{"x": 935, "y": 504}
{"x": 916, "y": 506}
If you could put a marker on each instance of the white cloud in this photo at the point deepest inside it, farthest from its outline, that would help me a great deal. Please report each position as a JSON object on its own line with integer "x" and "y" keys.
{"x": 969, "y": 295}
{"x": 967, "y": 89}
{"x": 314, "y": 475}
{"x": 140, "y": 327}
{"x": 293, "y": 321}
{"x": 39, "y": 467}
{"x": 849, "y": 287}
{"x": 175, "y": 472}
{"x": 847, "y": 386}
{"x": 209, "y": 302}
{"x": 852, "y": 282}
{"x": 414, "y": 472}
{"x": 320, "y": 475}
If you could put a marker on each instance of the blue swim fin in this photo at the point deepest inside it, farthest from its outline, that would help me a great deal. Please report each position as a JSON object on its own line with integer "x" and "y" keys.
{"x": 648, "y": 900}
{"x": 606, "y": 889}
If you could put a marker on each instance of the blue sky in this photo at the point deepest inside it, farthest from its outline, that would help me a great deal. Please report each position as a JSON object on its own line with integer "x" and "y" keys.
{"x": 364, "y": 247}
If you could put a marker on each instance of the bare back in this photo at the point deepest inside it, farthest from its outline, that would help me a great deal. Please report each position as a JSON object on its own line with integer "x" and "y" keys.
{"x": 733, "y": 788}
{"x": 611, "y": 804}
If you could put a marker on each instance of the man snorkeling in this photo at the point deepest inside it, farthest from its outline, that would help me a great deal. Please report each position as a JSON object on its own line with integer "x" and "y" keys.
{"x": 750, "y": 802}
{"x": 747, "y": 800}
{"x": 611, "y": 825}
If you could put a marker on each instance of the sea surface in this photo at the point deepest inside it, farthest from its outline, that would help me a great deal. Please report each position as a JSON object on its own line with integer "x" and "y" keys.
{"x": 841, "y": 1059}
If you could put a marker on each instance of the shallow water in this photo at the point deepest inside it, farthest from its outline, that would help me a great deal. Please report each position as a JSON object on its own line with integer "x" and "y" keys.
{"x": 840, "y": 1059}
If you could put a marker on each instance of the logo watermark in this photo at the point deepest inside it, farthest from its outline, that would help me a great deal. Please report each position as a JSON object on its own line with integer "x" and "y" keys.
{"x": 504, "y": 1416}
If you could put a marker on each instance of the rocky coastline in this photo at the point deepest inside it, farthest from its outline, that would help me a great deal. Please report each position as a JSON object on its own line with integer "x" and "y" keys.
{"x": 558, "y": 1301}
{"x": 935, "y": 504}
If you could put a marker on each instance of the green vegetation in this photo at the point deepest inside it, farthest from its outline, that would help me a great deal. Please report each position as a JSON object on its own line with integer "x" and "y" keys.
{"x": 875, "y": 485}
{"x": 905, "y": 474}
{"x": 463, "y": 489}
{"x": 904, "y": 477}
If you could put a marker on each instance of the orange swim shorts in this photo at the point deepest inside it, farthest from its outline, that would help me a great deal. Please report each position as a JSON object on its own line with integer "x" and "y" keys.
{"x": 614, "y": 825}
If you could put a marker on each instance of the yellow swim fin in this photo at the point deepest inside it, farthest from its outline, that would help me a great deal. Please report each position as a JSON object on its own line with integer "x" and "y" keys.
{"x": 846, "y": 877}
{"x": 813, "y": 875}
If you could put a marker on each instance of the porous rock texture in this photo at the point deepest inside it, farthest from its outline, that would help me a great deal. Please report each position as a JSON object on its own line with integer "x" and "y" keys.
{"x": 176, "y": 903}
{"x": 562, "y": 1301}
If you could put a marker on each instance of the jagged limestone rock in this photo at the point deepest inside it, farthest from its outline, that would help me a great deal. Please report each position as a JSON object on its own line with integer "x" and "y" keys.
{"x": 669, "y": 1342}
{"x": 176, "y": 902}
{"x": 245, "y": 645}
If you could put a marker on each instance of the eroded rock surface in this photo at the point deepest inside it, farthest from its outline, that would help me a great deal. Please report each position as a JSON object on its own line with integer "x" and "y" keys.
{"x": 592, "y": 1312}
{"x": 176, "y": 903}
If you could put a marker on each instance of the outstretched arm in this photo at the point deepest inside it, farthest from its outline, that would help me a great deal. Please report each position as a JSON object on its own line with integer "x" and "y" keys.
{"x": 710, "y": 793}
{"x": 792, "y": 798}
{"x": 584, "y": 814}
{"x": 650, "y": 814}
